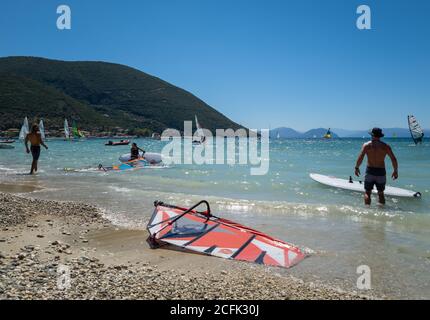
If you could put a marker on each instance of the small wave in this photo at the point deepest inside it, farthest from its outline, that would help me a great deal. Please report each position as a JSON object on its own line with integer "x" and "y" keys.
{"x": 120, "y": 189}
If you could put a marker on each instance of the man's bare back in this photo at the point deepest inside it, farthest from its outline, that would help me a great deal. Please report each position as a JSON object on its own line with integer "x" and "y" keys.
{"x": 376, "y": 151}
{"x": 34, "y": 138}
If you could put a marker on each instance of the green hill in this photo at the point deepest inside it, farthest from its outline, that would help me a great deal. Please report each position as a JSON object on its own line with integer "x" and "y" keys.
{"x": 98, "y": 95}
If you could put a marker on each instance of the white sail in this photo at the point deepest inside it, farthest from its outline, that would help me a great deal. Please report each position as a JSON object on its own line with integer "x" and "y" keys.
{"x": 24, "y": 129}
{"x": 42, "y": 129}
{"x": 199, "y": 132}
{"x": 416, "y": 132}
{"x": 66, "y": 129}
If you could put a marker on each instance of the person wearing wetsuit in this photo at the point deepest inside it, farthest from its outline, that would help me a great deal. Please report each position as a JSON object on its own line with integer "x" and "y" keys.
{"x": 134, "y": 152}
{"x": 376, "y": 151}
{"x": 35, "y": 140}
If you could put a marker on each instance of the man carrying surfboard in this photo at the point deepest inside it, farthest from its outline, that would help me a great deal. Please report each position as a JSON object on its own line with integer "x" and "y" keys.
{"x": 376, "y": 151}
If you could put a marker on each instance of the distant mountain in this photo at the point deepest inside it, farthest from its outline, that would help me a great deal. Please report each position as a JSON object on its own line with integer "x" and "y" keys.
{"x": 97, "y": 95}
{"x": 318, "y": 133}
{"x": 389, "y": 133}
{"x": 288, "y": 133}
{"x": 284, "y": 133}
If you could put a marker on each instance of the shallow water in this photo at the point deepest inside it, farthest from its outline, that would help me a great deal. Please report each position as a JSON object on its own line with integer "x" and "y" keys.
{"x": 393, "y": 241}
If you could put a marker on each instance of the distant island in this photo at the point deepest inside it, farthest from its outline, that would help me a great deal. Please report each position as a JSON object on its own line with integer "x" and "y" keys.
{"x": 288, "y": 133}
{"x": 102, "y": 98}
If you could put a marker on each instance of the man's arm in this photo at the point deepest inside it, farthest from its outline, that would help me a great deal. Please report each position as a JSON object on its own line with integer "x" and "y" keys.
{"x": 393, "y": 158}
{"x": 43, "y": 143}
{"x": 360, "y": 160}
{"x": 26, "y": 144}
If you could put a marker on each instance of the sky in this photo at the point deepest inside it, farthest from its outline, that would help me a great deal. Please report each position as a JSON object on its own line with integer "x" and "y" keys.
{"x": 264, "y": 64}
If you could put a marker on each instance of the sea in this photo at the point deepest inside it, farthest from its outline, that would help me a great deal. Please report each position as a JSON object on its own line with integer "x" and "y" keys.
{"x": 341, "y": 233}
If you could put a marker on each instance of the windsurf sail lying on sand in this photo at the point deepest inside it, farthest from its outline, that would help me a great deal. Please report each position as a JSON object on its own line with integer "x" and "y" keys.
{"x": 416, "y": 132}
{"x": 207, "y": 234}
{"x": 24, "y": 129}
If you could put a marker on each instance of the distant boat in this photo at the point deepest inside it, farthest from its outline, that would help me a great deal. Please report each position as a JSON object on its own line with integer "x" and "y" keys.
{"x": 156, "y": 136}
{"x": 200, "y": 134}
{"x": 118, "y": 143}
{"x": 24, "y": 129}
{"x": 42, "y": 129}
{"x": 417, "y": 133}
{"x": 278, "y": 136}
{"x": 328, "y": 135}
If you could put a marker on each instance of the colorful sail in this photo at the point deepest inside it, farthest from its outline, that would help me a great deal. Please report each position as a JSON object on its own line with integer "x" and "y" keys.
{"x": 42, "y": 129}
{"x": 24, "y": 129}
{"x": 77, "y": 134}
{"x": 130, "y": 165}
{"x": 417, "y": 133}
{"x": 204, "y": 233}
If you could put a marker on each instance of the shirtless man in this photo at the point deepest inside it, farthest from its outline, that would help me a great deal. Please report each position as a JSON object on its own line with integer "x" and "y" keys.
{"x": 35, "y": 140}
{"x": 376, "y": 151}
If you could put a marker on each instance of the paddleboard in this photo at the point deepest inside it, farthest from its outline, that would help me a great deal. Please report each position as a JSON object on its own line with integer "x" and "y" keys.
{"x": 359, "y": 186}
{"x": 148, "y": 156}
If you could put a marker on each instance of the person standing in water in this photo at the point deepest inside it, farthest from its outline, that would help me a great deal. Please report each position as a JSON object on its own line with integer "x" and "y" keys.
{"x": 376, "y": 151}
{"x": 134, "y": 151}
{"x": 35, "y": 140}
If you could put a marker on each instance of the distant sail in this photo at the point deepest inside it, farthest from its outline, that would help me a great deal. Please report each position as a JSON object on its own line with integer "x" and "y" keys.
{"x": 66, "y": 129}
{"x": 278, "y": 136}
{"x": 199, "y": 132}
{"x": 24, "y": 129}
{"x": 416, "y": 132}
{"x": 77, "y": 134}
{"x": 42, "y": 129}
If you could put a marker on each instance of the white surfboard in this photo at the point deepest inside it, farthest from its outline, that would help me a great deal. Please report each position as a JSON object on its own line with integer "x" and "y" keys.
{"x": 359, "y": 186}
{"x": 149, "y": 156}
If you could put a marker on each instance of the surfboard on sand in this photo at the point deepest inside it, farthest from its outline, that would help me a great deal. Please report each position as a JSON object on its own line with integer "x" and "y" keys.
{"x": 359, "y": 186}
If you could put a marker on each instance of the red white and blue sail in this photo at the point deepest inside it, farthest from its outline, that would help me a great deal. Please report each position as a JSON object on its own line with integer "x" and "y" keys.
{"x": 204, "y": 233}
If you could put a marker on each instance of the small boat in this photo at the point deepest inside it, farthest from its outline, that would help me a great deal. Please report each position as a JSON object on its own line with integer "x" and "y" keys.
{"x": 7, "y": 141}
{"x": 328, "y": 135}
{"x": 6, "y": 146}
{"x": 118, "y": 143}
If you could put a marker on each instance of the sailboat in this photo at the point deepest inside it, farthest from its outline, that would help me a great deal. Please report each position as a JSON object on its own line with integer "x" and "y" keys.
{"x": 278, "y": 136}
{"x": 66, "y": 129}
{"x": 24, "y": 129}
{"x": 199, "y": 133}
{"x": 42, "y": 129}
{"x": 328, "y": 134}
{"x": 417, "y": 133}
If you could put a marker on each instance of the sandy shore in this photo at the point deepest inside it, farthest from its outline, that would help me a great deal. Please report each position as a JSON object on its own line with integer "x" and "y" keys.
{"x": 41, "y": 238}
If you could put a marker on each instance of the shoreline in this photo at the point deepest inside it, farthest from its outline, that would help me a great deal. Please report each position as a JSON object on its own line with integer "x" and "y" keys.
{"x": 111, "y": 262}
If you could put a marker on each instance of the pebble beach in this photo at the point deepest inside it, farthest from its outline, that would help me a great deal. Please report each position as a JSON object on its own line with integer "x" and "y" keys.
{"x": 105, "y": 261}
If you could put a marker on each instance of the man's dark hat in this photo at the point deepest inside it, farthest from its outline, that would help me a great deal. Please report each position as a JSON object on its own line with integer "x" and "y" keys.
{"x": 376, "y": 132}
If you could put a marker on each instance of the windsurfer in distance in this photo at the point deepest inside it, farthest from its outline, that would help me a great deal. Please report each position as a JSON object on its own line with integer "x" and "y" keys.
{"x": 36, "y": 140}
{"x": 376, "y": 151}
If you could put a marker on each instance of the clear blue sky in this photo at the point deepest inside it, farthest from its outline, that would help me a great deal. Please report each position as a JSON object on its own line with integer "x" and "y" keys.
{"x": 301, "y": 64}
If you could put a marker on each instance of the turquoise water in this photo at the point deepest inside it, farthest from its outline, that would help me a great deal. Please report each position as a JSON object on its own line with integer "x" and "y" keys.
{"x": 393, "y": 241}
